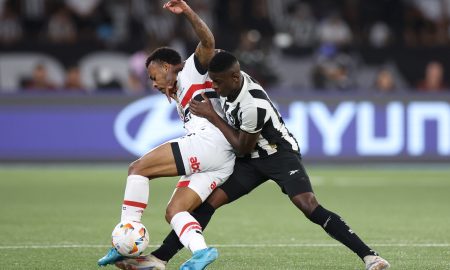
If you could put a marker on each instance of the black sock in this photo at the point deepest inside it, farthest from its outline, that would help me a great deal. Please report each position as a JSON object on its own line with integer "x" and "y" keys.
{"x": 171, "y": 245}
{"x": 335, "y": 226}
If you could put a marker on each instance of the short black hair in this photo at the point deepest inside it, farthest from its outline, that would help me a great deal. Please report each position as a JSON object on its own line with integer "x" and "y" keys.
{"x": 164, "y": 54}
{"x": 222, "y": 61}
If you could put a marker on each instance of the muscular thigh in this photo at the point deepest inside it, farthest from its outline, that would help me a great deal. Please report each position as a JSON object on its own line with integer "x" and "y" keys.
{"x": 192, "y": 190}
{"x": 243, "y": 180}
{"x": 203, "y": 184}
{"x": 158, "y": 162}
{"x": 287, "y": 170}
{"x": 184, "y": 199}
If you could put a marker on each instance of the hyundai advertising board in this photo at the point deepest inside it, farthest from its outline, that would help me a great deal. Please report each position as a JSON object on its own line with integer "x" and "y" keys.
{"x": 94, "y": 128}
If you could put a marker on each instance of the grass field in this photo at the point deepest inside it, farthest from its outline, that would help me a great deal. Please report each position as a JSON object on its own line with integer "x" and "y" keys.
{"x": 60, "y": 217}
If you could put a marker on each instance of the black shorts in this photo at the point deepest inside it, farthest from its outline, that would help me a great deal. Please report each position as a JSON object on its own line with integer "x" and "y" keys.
{"x": 285, "y": 168}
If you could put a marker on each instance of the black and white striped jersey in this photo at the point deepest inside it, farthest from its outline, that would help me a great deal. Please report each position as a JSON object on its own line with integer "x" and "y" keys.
{"x": 252, "y": 111}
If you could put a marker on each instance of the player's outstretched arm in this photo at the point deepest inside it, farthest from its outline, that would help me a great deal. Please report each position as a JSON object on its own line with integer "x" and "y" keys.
{"x": 205, "y": 49}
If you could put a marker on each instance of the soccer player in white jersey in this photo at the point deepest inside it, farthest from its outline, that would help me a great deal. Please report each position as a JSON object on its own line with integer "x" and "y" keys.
{"x": 203, "y": 157}
{"x": 266, "y": 150}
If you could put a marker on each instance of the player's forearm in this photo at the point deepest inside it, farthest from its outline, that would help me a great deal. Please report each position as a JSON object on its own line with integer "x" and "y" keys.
{"x": 229, "y": 133}
{"x": 201, "y": 29}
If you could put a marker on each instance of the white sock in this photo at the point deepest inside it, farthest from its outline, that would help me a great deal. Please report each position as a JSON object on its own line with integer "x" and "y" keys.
{"x": 136, "y": 198}
{"x": 189, "y": 231}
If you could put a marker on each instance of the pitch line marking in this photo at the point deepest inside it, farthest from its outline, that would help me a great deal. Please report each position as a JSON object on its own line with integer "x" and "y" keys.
{"x": 234, "y": 245}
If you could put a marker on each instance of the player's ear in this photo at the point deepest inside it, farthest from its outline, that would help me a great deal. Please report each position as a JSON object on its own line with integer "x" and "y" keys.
{"x": 165, "y": 66}
{"x": 236, "y": 76}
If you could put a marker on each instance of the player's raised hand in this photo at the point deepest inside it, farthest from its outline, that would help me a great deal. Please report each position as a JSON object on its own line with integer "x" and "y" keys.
{"x": 176, "y": 6}
{"x": 202, "y": 108}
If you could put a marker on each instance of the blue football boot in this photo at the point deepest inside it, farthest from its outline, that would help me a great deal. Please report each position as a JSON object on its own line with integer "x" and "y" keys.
{"x": 200, "y": 259}
{"x": 110, "y": 258}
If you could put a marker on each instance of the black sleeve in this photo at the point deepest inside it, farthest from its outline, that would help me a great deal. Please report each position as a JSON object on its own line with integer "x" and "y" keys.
{"x": 202, "y": 70}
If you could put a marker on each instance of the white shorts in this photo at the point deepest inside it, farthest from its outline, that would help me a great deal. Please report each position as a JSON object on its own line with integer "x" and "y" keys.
{"x": 205, "y": 158}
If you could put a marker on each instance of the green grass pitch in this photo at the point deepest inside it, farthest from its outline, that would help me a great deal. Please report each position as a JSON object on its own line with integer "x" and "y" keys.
{"x": 61, "y": 217}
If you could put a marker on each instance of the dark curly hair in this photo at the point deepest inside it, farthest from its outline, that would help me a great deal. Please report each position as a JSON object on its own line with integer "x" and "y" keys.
{"x": 164, "y": 54}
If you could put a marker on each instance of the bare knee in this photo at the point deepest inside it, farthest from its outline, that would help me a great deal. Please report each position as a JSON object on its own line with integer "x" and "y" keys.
{"x": 138, "y": 167}
{"x": 135, "y": 167}
{"x": 171, "y": 211}
{"x": 306, "y": 202}
{"x": 176, "y": 206}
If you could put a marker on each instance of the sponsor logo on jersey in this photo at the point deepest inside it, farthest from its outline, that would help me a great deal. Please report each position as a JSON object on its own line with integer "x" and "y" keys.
{"x": 187, "y": 117}
{"x": 230, "y": 118}
{"x": 195, "y": 164}
{"x": 213, "y": 185}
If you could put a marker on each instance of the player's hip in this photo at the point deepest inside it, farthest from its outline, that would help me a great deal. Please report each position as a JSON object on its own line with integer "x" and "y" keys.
{"x": 204, "y": 151}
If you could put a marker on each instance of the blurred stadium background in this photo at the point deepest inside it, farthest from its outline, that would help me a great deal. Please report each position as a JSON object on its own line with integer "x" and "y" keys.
{"x": 362, "y": 84}
{"x": 354, "y": 79}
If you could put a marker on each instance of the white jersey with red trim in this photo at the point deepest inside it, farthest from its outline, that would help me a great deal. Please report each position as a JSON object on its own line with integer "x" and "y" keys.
{"x": 204, "y": 156}
{"x": 190, "y": 84}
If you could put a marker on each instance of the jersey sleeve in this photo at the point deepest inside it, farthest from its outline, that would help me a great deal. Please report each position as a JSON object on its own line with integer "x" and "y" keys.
{"x": 193, "y": 66}
{"x": 252, "y": 119}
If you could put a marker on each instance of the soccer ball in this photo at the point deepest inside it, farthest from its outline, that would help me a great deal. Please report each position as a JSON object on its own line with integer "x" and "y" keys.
{"x": 130, "y": 238}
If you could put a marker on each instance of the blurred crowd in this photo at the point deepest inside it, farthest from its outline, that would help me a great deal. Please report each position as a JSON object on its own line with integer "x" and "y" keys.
{"x": 301, "y": 44}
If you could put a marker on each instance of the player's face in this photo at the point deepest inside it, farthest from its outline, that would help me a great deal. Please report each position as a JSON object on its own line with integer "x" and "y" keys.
{"x": 225, "y": 83}
{"x": 157, "y": 72}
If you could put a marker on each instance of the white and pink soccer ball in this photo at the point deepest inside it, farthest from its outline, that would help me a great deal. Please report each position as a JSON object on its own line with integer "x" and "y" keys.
{"x": 130, "y": 238}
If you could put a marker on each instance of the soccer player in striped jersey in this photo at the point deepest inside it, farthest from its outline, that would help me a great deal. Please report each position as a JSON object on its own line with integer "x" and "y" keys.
{"x": 266, "y": 150}
{"x": 203, "y": 157}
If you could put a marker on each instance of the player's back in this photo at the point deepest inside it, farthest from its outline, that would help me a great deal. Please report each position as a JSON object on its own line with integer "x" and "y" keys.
{"x": 193, "y": 80}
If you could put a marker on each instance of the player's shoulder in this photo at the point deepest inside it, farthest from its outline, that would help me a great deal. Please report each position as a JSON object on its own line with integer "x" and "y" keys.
{"x": 249, "y": 104}
{"x": 253, "y": 88}
{"x": 193, "y": 65}
{"x": 253, "y": 91}
{"x": 254, "y": 100}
